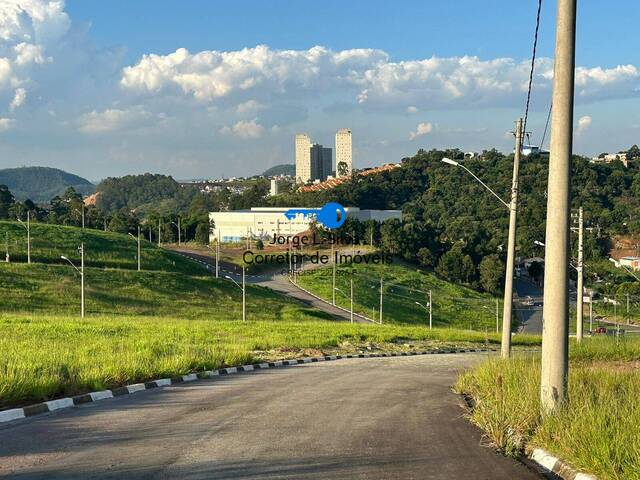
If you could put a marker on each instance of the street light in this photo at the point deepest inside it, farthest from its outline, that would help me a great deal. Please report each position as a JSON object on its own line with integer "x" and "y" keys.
{"x": 178, "y": 225}
{"x": 511, "y": 245}
{"x": 28, "y": 227}
{"x": 244, "y": 290}
{"x": 139, "y": 249}
{"x": 81, "y": 272}
{"x": 428, "y": 309}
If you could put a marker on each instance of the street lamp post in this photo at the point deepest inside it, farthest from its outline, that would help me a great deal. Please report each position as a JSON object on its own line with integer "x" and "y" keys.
{"x": 380, "y": 300}
{"x": 511, "y": 249}
{"x": 350, "y": 297}
{"x": 139, "y": 249}
{"x": 28, "y": 227}
{"x": 244, "y": 290}
{"x": 81, "y": 272}
{"x": 428, "y": 309}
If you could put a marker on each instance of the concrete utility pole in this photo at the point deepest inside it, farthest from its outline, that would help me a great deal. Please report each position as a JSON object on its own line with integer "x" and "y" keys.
{"x": 497, "y": 316}
{"x": 179, "y": 234}
{"x": 628, "y": 316}
{"x": 218, "y": 255}
{"x": 333, "y": 287}
{"x": 579, "y": 286}
{"x": 83, "y": 215}
{"x": 351, "y": 282}
{"x": 381, "y": 301}
{"x": 244, "y": 295}
{"x": 555, "y": 362}
{"x": 6, "y": 245}
{"x": 591, "y": 313}
{"x": 511, "y": 250}
{"x": 159, "y": 231}
{"x": 430, "y": 311}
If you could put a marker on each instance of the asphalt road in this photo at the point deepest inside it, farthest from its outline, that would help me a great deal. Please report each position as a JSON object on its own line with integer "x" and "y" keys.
{"x": 276, "y": 281}
{"x": 530, "y": 316}
{"x": 381, "y": 418}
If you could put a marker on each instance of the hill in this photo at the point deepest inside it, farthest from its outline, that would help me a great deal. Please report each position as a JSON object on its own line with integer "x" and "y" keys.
{"x": 134, "y": 191}
{"x": 41, "y": 184}
{"x": 102, "y": 249}
{"x": 284, "y": 169}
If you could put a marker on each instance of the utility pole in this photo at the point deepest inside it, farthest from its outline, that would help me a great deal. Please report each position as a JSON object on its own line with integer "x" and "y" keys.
{"x": 555, "y": 344}
{"x": 82, "y": 280}
{"x": 497, "y": 316}
{"x": 139, "y": 250}
{"x": 591, "y": 313}
{"x": 380, "y": 300}
{"x": 244, "y": 295}
{"x": 333, "y": 287}
{"x": 104, "y": 219}
{"x": 218, "y": 255}
{"x": 628, "y": 316}
{"x": 28, "y": 228}
{"x": 579, "y": 286}
{"x": 159, "y": 231}
{"x": 511, "y": 250}
{"x": 179, "y": 237}
{"x": 6, "y": 245}
{"x": 430, "y": 311}
{"x": 351, "y": 282}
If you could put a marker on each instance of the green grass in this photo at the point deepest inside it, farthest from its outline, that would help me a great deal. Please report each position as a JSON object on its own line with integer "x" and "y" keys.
{"x": 596, "y": 432}
{"x": 102, "y": 249}
{"x": 42, "y": 357}
{"x": 55, "y": 289}
{"x": 453, "y": 305}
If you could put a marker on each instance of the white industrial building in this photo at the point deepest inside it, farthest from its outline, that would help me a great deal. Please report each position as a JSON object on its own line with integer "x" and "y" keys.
{"x": 264, "y": 222}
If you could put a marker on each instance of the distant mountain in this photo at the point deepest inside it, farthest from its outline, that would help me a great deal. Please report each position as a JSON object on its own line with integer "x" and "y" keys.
{"x": 41, "y": 184}
{"x": 284, "y": 169}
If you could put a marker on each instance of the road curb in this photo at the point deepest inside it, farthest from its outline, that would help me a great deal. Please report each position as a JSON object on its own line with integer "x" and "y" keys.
{"x": 92, "y": 397}
{"x": 558, "y": 466}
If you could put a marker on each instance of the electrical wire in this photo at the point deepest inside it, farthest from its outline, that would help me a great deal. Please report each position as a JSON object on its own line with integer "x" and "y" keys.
{"x": 544, "y": 135}
{"x": 533, "y": 63}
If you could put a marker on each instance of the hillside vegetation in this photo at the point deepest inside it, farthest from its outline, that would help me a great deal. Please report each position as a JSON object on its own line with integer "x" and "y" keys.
{"x": 102, "y": 249}
{"x": 41, "y": 184}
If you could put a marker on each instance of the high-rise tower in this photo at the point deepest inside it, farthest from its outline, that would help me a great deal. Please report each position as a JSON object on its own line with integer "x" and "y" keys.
{"x": 303, "y": 158}
{"x": 344, "y": 155}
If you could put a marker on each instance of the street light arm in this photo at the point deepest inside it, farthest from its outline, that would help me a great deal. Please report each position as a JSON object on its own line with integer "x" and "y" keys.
{"x": 237, "y": 284}
{"x": 71, "y": 263}
{"x": 486, "y": 186}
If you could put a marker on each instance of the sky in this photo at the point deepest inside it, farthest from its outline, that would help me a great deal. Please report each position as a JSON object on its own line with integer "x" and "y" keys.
{"x": 204, "y": 89}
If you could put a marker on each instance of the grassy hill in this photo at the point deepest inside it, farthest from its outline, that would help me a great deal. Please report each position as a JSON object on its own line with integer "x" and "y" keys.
{"x": 102, "y": 249}
{"x": 41, "y": 184}
{"x": 454, "y": 306}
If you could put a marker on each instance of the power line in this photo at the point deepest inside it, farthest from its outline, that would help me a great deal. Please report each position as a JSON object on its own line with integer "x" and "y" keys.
{"x": 546, "y": 126}
{"x": 533, "y": 63}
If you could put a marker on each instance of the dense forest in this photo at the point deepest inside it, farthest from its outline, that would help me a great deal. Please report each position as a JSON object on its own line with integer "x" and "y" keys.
{"x": 41, "y": 184}
{"x": 451, "y": 223}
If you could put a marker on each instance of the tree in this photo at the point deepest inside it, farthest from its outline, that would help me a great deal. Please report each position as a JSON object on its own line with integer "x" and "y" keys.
{"x": 343, "y": 169}
{"x": 633, "y": 152}
{"x": 491, "y": 273}
{"x": 202, "y": 233}
{"x": 259, "y": 244}
{"x": 425, "y": 257}
{"x": 6, "y": 201}
{"x": 455, "y": 266}
{"x": 535, "y": 270}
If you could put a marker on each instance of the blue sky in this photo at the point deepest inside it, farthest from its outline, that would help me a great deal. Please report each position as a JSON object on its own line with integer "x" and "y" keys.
{"x": 206, "y": 88}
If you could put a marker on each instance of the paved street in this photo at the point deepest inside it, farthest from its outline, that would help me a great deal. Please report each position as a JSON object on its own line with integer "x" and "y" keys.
{"x": 381, "y": 418}
{"x": 276, "y": 281}
{"x": 530, "y": 316}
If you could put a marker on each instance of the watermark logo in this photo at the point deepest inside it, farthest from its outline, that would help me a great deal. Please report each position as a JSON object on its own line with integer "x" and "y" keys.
{"x": 332, "y": 215}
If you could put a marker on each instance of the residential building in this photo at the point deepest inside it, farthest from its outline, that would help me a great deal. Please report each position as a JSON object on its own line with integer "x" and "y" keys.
{"x": 303, "y": 158}
{"x": 321, "y": 162}
{"x": 264, "y": 222}
{"x": 612, "y": 157}
{"x": 630, "y": 262}
{"x": 344, "y": 153}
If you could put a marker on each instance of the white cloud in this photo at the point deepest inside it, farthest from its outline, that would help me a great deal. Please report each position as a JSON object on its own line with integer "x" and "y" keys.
{"x": 423, "y": 128}
{"x": 583, "y": 124}
{"x": 244, "y": 129}
{"x": 367, "y": 75}
{"x": 6, "y": 124}
{"x": 19, "y": 98}
{"x": 111, "y": 120}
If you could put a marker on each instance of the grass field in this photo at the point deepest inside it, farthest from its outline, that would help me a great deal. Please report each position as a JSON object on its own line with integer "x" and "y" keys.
{"x": 597, "y": 431}
{"x": 453, "y": 305}
{"x": 42, "y": 357}
{"x": 102, "y": 249}
{"x": 55, "y": 289}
